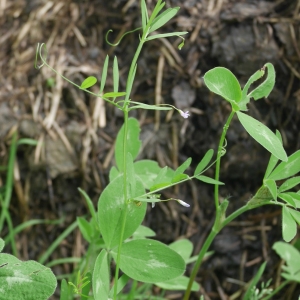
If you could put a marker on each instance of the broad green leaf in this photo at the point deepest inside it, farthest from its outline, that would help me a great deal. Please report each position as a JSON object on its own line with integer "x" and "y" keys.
{"x": 110, "y": 212}
{"x": 289, "y": 184}
{"x": 149, "y": 261}
{"x": 178, "y": 284}
{"x": 144, "y": 13}
{"x": 204, "y": 161}
{"x": 295, "y": 214}
{"x": 147, "y": 106}
{"x": 143, "y": 231}
{"x": 88, "y": 82}
{"x": 271, "y": 185}
{"x": 179, "y": 177}
{"x": 85, "y": 229}
{"x": 289, "y": 226}
{"x": 163, "y": 18}
{"x": 163, "y": 35}
{"x": 113, "y": 173}
{"x": 209, "y": 180}
{"x": 147, "y": 171}
{"x": 273, "y": 159}
{"x": 183, "y": 167}
{"x": 64, "y": 290}
{"x": 114, "y": 94}
{"x": 222, "y": 82}
{"x": 2, "y": 244}
{"x": 263, "y": 135}
{"x": 116, "y": 75}
{"x": 133, "y": 142}
{"x": 26, "y": 280}
{"x": 290, "y": 254}
{"x": 104, "y": 74}
{"x": 288, "y": 199}
{"x": 89, "y": 204}
{"x": 101, "y": 278}
{"x": 264, "y": 89}
{"x": 184, "y": 247}
{"x": 254, "y": 281}
{"x": 287, "y": 168}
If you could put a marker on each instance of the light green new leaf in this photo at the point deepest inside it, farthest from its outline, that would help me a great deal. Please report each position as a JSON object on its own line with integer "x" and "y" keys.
{"x": 264, "y": 89}
{"x": 271, "y": 185}
{"x": 288, "y": 168}
{"x": 178, "y": 284}
{"x": 163, "y": 35}
{"x": 116, "y": 75}
{"x": 289, "y": 226}
{"x": 289, "y": 184}
{"x": 222, "y": 82}
{"x": 101, "y": 276}
{"x": 163, "y": 18}
{"x": 204, "y": 161}
{"x": 158, "y": 7}
{"x": 28, "y": 280}
{"x": 104, "y": 74}
{"x": 263, "y": 135}
{"x": 183, "y": 247}
{"x": 257, "y": 75}
{"x": 290, "y": 254}
{"x": 110, "y": 212}
{"x": 183, "y": 167}
{"x": 88, "y": 82}
{"x": 133, "y": 142}
{"x": 144, "y": 13}
{"x": 273, "y": 159}
{"x": 209, "y": 180}
{"x": 149, "y": 261}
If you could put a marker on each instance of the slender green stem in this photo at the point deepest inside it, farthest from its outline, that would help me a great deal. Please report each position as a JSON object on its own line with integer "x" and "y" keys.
{"x": 219, "y": 155}
{"x": 9, "y": 179}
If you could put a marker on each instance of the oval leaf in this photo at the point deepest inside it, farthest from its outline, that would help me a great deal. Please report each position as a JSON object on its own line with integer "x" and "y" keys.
{"x": 289, "y": 226}
{"x": 263, "y": 135}
{"x": 88, "y": 82}
{"x": 149, "y": 261}
{"x": 222, "y": 82}
{"x": 204, "y": 161}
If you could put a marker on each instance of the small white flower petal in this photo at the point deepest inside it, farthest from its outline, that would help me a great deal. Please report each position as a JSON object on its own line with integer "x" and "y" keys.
{"x": 183, "y": 203}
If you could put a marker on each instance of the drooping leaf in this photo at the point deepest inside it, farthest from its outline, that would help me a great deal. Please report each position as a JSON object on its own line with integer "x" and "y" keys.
{"x": 178, "y": 284}
{"x": 271, "y": 185}
{"x": 264, "y": 89}
{"x": 222, "y": 82}
{"x": 104, "y": 74}
{"x": 163, "y": 18}
{"x": 263, "y": 135}
{"x": 209, "y": 180}
{"x": 289, "y": 184}
{"x": 164, "y": 35}
{"x": 101, "y": 276}
{"x": 204, "y": 161}
{"x": 287, "y": 168}
{"x": 149, "y": 261}
{"x": 88, "y": 82}
{"x": 26, "y": 280}
{"x": 110, "y": 212}
{"x": 133, "y": 142}
{"x": 289, "y": 226}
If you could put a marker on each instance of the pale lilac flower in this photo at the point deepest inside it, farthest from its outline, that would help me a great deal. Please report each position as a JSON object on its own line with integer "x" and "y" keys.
{"x": 183, "y": 203}
{"x": 185, "y": 114}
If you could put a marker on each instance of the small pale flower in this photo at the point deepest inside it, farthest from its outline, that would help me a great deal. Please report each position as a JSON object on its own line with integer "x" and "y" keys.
{"x": 184, "y": 114}
{"x": 183, "y": 203}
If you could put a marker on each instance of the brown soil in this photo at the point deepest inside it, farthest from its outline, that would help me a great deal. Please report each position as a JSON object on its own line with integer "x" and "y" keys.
{"x": 76, "y": 132}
